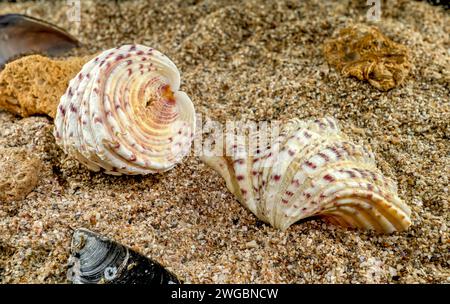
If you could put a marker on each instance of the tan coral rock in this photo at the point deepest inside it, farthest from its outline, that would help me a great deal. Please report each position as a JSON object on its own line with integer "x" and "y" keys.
{"x": 365, "y": 53}
{"x": 34, "y": 84}
{"x": 19, "y": 173}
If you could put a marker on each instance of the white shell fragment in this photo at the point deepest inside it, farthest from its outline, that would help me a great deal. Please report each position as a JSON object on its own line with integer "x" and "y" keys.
{"x": 124, "y": 113}
{"x": 312, "y": 169}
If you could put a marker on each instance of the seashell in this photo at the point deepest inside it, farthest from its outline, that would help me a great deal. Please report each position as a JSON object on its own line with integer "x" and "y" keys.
{"x": 20, "y": 34}
{"x": 123, "y": 112}
{"x": 95, "y": 259}
{"x": 310, "y": 169}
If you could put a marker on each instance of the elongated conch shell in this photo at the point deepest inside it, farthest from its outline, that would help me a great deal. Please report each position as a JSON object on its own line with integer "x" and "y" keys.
{"x": 123, "y": 113}
{"x": 311, "y": 169}
{"x": 95, "y": 259}
{"x": 20, "y": 34}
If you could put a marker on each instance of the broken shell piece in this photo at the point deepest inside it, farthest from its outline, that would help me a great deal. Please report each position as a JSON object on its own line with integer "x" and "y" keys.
{"x": 365, "y": 53}
{"x": 310, "y": 169}
{"x": 95, "y": 259}
{"x": 34, "y": 84}
{"x": 124, "y": 113}
{"x": 20, "y": 34}
{"x": 19, "y": 173}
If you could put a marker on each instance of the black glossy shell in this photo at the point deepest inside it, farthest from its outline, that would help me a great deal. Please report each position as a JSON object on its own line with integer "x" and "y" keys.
{"x": 95, "y": 259}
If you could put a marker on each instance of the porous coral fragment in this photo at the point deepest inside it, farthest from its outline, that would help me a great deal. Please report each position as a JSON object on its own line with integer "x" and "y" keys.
{"x": 365, "y": 53}
{"x": 19, "y": 173}
{"x": 34, "y": 84}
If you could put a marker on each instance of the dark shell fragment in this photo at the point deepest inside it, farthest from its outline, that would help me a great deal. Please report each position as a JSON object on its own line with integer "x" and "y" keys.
{"x": 96, "y": 259}
{"x": 20, "y": 35}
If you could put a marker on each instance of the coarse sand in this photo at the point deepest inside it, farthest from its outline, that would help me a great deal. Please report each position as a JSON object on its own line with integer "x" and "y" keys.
{"x": 258, "y": 60}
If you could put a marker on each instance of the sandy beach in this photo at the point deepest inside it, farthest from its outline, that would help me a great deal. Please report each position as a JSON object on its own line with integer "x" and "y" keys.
{"x": 256, "y": 60}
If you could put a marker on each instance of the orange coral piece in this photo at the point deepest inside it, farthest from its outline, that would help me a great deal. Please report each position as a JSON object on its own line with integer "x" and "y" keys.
{"x": 34, "y": 84}
{"x": 365, "y": 53}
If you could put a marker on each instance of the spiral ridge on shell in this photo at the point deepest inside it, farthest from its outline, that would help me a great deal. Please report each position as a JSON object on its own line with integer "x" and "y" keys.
{"x": 311, "y": 169}
{"x": 124, "y": 113}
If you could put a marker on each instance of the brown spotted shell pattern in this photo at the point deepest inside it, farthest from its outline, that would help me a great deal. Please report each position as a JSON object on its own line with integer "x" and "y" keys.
{"x": 311, "y": 169}
{"x": 124, "y": 113}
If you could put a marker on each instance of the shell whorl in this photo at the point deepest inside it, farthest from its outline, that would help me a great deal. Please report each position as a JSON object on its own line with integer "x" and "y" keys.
{"x": 312, "y": 169}
{"x": 124, "y": 113}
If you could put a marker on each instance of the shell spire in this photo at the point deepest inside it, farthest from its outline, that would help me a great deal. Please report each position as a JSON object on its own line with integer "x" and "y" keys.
{"x": 311, "y": 169}
{"x": 124, "y": 113}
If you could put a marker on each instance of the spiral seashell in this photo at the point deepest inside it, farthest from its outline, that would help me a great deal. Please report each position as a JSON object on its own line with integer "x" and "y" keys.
{"x": 124, "y": 113}
{"x": 311, "y": 169}
{"x": 95, "y": 259}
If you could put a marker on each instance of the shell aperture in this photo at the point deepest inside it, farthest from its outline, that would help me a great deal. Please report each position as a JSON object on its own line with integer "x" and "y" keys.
{"x": 124, "y": 113}
{"x": 312, "y": 169}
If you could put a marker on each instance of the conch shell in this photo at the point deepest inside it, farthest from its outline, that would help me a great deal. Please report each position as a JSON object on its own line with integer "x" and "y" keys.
{"x": 310, "y": 169}
{"x": 123, "y": 113}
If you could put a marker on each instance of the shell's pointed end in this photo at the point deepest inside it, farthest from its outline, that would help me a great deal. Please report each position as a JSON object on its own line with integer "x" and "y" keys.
{"x": 95, "y": 259}
{"x": 22, "y": 35}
